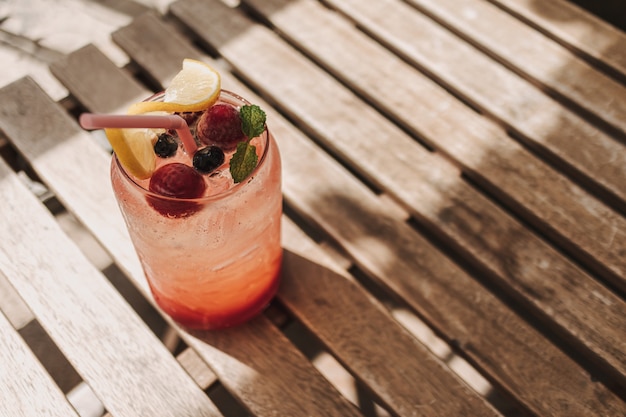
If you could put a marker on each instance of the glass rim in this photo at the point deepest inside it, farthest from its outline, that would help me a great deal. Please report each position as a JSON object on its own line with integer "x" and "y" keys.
{"x": 222, "y": 194}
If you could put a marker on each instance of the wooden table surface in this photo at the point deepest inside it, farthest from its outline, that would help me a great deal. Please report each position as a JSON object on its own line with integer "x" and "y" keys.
{"x": 454, "y": 178}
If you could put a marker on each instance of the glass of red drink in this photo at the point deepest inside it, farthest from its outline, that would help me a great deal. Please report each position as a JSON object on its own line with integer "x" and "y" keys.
{"x": 212, "y": 260}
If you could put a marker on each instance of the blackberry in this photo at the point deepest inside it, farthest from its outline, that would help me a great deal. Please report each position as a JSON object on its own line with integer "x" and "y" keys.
{"x": 208, "y": 159}
{"x": 165, "y": 145}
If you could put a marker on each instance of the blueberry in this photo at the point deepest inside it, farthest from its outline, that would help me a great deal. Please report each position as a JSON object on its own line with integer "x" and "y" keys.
{"x": 165, "y": 145}
{"x": 208, "y": 159}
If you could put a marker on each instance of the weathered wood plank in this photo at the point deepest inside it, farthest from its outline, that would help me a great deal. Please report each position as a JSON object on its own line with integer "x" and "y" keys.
{"x": 60, "y": 27}
{"x": 506, "y": 248}
{"x": 575, "y": 145}
{"x": 533, "y": 55}
{"x": 368, "y": 341}
{"x": 106, "y": 342}
{"x": 358, "y": 220}
{"x": 17, "y": 312}
{"x": 392, "y": 253}
{"x": 263, "y": 374}
{"x": 26, "y": 389}
{"x": 197, "y": 369}
{"x": 146, "y": 26}
{"x": 574, "y": 27}
{"x": 555, "y": 204}
{"x": 449, "y": 126}
{"x": 71, "y": 70}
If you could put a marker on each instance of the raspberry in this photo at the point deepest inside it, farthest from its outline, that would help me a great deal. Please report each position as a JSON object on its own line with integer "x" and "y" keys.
{"x": 176, "y": 180}
{"x": 220, "y": 125}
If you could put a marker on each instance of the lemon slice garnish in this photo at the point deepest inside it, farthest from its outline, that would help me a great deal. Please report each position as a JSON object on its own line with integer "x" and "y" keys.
{"x": 196, "y": 87}
{"x": 134, "y": 150}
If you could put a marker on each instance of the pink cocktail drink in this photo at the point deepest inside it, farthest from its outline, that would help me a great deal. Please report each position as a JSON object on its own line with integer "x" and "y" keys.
{"x": 212, "y": 260}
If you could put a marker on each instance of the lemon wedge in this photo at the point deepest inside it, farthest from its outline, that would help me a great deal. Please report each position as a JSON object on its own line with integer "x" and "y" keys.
{"x": 134, "y": 150}
{"x": 196, "y": 87}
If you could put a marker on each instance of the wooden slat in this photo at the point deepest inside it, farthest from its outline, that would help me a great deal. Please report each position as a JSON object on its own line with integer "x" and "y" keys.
{"x": 369, "y": 342}
{"x": 574, "y": 27}
{"x": 197, "y": 369}
{"x": 255, "y": 362}
{"x": 71, "y": 70}
{"x": 538, "y": 120}
{"x": 17, "y": 312}
{"x": 390, "y": 251}
{"x": 534, "y": 55}
{"x": 468, "y": 220}
{"x": 26, "y": 389}
{"x": 106, "y": 342}
{"x": 561, "y": 209}
{"x": 133, "y": 37}
{"x": 362, "y": 224}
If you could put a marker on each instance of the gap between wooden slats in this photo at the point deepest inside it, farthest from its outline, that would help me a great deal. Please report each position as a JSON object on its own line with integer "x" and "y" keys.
{"x": 178, "y": 10}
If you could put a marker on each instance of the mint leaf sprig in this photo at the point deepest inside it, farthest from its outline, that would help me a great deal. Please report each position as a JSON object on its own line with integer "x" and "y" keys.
{"x": 245, "y": 159}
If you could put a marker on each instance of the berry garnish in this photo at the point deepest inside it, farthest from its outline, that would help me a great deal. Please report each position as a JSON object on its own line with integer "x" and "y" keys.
{"x": 221, "y": 125}
{"x": 176, "y": 180}
{"x": 165, "y": 146}
{"x": 208, "y": 159}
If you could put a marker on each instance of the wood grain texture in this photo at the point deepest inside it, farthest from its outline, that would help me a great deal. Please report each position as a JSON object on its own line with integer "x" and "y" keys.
{"x": 197, "y": 369}
{"x": 520, "y": 260}
{"x": 521, "y": 181}
{"x": 265, "y": 383}
{"x": 538, "y": 120}
{"x": 393, "y": 254}
{"x": 482, "y": 149}
{"x": 368, "y": 341}
{"x": 106, "y": 342}
{"x": 574, "y": 27}
{"x": 362, "y": 225}
{"x": 16, "y": 311}
{"x": 26, "y": 389}
{"x": 82, "y": 70}
{"x": 148, "y": 26}
{"x": 533, "y": 55}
